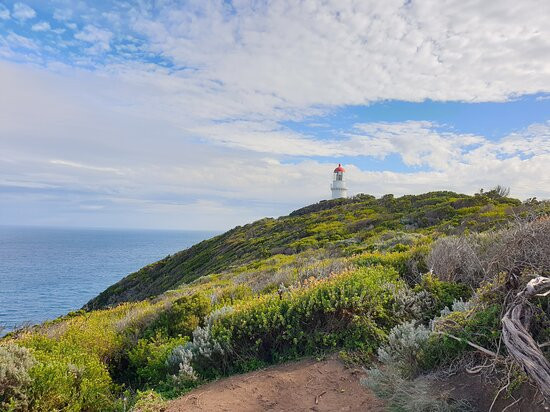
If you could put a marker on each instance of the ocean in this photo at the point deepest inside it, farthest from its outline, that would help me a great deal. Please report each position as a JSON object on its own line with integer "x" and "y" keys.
{"x": 47, "y": 272}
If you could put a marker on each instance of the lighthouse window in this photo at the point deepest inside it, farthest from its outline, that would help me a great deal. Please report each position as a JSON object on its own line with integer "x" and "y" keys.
{"x": 339, "y": 176}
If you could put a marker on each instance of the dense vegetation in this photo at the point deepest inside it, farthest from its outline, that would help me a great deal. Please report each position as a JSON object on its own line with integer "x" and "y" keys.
{"x": 345, "y": 226}
{"x": 410, "y": 279}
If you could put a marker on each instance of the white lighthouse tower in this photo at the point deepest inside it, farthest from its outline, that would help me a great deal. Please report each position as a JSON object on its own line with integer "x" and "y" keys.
{"x": 338, "y": 186}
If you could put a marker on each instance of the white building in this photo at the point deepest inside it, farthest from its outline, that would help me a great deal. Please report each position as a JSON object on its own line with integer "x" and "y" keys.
{"x": 338, "y": 186}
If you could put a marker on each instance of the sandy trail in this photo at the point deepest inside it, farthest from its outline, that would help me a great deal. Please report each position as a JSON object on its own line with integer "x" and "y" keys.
{"x": 307, "y": 385}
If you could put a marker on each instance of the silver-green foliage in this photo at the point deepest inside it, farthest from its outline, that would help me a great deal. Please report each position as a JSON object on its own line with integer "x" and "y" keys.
{"x": 15, "y": 362}
{"x": 404, "y": 395}
{"x": 458, "y": 305}
{"x": 404, "y": 346}
{"x": 396, "y": 381}
{"x": 410, "y": 304}
{"x": 202, "y": 347}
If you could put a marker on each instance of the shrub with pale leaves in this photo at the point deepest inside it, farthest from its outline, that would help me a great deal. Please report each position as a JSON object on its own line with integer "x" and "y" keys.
{"x": 414, "y": 395}
{"x": 404, "y": 346}
{"x": 218, "y": 314}
{"x": 410, "y": 304}
{"x": 15, "y": 363}
{"x": 184, "y": 359}
{"x": 458, "y": 306}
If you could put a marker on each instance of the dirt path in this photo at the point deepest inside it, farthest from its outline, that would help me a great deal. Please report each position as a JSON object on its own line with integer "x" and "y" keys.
{"x": 307, "y": 385}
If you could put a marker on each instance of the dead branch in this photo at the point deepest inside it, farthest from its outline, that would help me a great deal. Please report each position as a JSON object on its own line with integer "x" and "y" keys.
{"x": 473, "y": 345}
{"x": 512, "y": 404}
{"x": 519, "y": 342}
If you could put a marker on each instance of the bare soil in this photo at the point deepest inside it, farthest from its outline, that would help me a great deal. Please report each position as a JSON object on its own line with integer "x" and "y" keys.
{"x": 481, "y": 394}
{"x": 307, "y": 385}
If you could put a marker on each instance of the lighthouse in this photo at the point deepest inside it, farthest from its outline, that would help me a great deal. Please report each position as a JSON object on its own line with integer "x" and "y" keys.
{"x": 338, "y": 186}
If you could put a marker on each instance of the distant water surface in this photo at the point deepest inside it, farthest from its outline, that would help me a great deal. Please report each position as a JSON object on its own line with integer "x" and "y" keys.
{"x": 47, "y": 272}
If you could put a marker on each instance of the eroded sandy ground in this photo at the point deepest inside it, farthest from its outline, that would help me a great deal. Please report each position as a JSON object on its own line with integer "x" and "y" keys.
{"x": 307, "y": 385}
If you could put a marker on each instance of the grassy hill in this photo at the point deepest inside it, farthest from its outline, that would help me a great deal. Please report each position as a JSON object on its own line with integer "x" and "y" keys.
{"x": 344, "y": 226}
{"x": 411, "y": 281}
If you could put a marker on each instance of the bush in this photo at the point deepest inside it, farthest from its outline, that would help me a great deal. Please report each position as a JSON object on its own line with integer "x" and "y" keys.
{"x": 401, "y": 359}
{"x": 15, "y": 362}
{"x": 352, "y": 310}
{"x": 182, "y": 318}
{"x": 404, "y": 347}
{"x": 443, "y": 293}
{"x": 203, "y": 354}
{"x": 410, "y": 263}
{"x": 149, "y": 401}
{"x": 525, "y": 246}
{"x": 233, "y": 293}
{"x": 455, "y": 259}
{"x": 481, "y": 327}
{"x": 391, "y": 240}
{"x": 148, "y": 359}
{"x": 321, "y": 268}
{"x": 404, "y": 395}
{"x": 414, "y": 305}
{"x": 66, "y": 377}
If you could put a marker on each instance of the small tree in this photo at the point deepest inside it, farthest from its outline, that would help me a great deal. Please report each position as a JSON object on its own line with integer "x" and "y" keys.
{"x": 498, "y": 191}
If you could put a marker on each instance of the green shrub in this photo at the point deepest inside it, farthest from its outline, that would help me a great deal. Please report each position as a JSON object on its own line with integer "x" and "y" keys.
{"x": 445, "y": 293}
{"x": 409, "y": 263}
{"x": 195, "y": 360}
{"x": 481, "y": 326}
{"x": 149, "y": 401}
{"x": 182, "y": 318}
{"x": 65, "y": 377}
{"x": 411, "y": 305}
{"x": 148, "y": 359}
{"x": 233, "y": 293}
{"x": 352, "y": 310}
{"x": 304, "y": 243}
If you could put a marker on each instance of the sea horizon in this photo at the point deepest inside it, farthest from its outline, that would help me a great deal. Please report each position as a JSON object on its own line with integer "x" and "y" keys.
{"x": 48, "y": 271}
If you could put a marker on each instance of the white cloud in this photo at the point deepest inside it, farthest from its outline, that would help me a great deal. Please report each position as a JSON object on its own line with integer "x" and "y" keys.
{"x": 91, "y": 207}
{"x": 14, "y": 40}
{"x": 100, "y": 39}
{"x": 87, "y": 167}
{"x": 418, "y": 143}
{"x": 105, "y": 135}
{"x": 23, "y": 12}
{"x": 62, "y": 14}
{"x": 41, "y": 26}
{"x": 299, "y": 54}
{"x": 205, "y": 136}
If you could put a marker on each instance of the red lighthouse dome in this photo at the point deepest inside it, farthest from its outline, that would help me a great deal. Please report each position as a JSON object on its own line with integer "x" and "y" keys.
{"x": 339, "y": 169}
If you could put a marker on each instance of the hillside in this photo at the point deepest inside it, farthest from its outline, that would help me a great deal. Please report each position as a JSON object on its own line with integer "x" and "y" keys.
{"x": 344, "y": 226}
{"x": 414, "y": 288}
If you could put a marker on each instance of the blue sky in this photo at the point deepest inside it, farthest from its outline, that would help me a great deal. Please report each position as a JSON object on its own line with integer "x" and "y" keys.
{"x": 207, "y": 114}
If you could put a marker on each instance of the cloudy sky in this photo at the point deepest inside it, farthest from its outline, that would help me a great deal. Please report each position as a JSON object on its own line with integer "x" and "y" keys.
{"x": 208, "y": 114}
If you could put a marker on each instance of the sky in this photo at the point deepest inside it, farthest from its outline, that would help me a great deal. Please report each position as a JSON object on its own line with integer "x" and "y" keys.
{"x": 210, "y": 114}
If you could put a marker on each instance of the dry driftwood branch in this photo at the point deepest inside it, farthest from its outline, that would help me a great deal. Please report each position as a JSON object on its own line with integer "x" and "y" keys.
{"x": 519, "y": 342}
{"x": 473, "y": 345}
